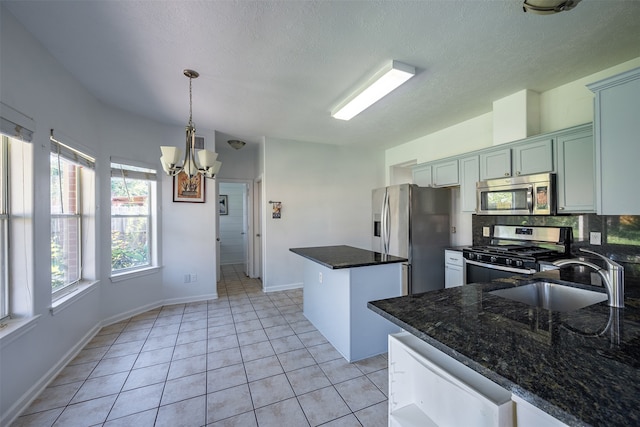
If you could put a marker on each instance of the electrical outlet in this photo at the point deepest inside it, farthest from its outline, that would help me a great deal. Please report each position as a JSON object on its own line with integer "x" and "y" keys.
{"x": 453, "y": 230}
{"x": 595, "y": 238}
{"x": 486, "y": 232}
{"x": 194, "y": 277}
{"x": 320, "y": 277}
{"x": 187, "y": 278}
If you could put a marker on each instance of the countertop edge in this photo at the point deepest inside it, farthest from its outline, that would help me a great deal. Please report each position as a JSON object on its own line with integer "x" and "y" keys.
{"x": 303, "y": 252}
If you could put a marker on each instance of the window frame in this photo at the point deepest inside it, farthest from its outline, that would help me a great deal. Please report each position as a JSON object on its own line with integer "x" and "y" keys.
{"x": 85, "y": 191}
{"x": 4, "y": 228}
{"x": 122, "y": 169}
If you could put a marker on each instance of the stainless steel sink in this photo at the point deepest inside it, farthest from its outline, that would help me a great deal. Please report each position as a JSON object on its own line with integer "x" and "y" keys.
{"x": 552, "y": 296}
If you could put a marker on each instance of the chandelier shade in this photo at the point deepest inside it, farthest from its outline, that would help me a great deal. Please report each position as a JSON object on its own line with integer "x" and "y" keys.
{"x": 207, "y": 162}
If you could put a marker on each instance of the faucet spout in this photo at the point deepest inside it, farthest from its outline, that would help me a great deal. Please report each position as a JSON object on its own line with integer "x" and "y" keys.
{"x": 612, "y": 276}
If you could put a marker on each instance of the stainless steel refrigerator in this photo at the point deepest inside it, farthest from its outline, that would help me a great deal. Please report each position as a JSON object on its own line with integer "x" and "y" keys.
{"x": 414, "y": 223}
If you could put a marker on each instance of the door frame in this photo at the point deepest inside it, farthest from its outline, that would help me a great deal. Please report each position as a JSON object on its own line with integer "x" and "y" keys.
{"x": 249, "y": 218}
{"x": 258, "y": 235}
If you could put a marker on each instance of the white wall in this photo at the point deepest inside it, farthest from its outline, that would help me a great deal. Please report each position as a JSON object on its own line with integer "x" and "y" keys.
{"x": 326, "y": 200}
{"x": 34, "y": 83}
{"x": 560, "y": 108}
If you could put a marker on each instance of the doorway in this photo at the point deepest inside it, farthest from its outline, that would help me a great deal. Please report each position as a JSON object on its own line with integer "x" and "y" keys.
{"x": 234, "y": 224}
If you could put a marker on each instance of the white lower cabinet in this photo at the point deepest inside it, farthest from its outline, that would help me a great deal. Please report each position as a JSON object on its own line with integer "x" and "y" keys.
{"x": 453, "y": 269}
{"x": 429, "y": 388}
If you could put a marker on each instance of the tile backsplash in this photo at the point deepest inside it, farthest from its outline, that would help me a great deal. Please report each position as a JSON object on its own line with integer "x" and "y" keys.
{"x": 620, "y": 235}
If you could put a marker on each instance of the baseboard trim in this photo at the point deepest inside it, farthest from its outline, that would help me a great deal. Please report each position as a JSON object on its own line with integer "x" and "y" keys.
{"x": 286, "y": 287}
{"x": 187, "y": 300}
{"x": 34, "y": 391}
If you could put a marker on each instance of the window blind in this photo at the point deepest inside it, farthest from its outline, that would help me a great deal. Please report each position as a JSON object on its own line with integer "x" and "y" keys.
{"x": 71, "y": 153}
{"x": 119, "y": 170}
{"x": 15, "y": 124}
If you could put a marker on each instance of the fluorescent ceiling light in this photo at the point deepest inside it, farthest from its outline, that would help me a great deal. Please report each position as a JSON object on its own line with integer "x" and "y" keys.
{"x": 384, "y": 81}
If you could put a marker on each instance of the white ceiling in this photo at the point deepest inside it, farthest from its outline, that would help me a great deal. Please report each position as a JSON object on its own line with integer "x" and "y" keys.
{"x": 277, "y": 68}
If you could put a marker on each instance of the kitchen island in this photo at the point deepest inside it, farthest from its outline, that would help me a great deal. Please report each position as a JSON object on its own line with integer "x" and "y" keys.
{"x": 567, "y": 364}
{"x": 338, "y": 283}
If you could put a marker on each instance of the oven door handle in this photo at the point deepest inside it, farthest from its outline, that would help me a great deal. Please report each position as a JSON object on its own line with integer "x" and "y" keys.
{"x": 502, "y": 267}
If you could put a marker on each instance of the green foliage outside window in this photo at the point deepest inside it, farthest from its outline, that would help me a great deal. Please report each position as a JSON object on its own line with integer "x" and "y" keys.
{"x": 130, "y": 221}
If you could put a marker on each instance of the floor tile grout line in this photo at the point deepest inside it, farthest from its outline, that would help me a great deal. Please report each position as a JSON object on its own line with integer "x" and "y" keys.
{"x": 286, "y": 305}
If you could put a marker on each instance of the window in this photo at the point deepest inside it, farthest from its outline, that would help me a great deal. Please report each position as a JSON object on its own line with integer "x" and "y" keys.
{"x": 16, "y": 214}
{"x": 72, "y": 181}
{"x": 133, "y": 208}
{"x": 4, "y": 228}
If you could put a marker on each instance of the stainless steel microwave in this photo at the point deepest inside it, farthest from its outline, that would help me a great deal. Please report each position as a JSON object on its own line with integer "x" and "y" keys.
{"x": 521, "y": 195}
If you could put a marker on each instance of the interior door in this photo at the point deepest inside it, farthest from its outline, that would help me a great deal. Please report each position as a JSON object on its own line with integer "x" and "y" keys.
{"x": 217, "y": 226}
{"x": 257, "y": 228}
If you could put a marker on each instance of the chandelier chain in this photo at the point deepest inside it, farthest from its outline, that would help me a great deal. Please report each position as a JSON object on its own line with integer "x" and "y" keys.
{"x": 190, "y": 101}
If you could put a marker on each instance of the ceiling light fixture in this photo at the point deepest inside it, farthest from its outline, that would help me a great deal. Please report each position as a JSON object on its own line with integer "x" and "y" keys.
{"x": 547, "y": 7}
{"x": 384, "y": 81}
{"x": 236, "y": 143}
{"x": 209, "y": 166}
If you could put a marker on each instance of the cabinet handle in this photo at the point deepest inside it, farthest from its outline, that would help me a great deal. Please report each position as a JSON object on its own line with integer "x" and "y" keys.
{"x": 561, "y": 208}
{"x": 518, "y": 173}
{"x": 506, "y": 174}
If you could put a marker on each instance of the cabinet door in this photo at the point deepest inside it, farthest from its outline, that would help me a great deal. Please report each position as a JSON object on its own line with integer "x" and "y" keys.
{"x": 533, "y": 157}
{"x": 576, "y": 172}
{"x": 453, "y": 276}
{"x": 453, "y": 273}
{"x": 469, "y": 177}
{"x": 445, "y": 174}
{"x": 422, "y": 176}
{"x": 617, "y": 149}
{"x": 495, "y": 164}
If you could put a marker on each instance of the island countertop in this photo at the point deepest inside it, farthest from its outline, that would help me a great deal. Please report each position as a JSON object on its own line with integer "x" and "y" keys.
{"x": 342, "y": 256}
{"x": 560, "y": 362}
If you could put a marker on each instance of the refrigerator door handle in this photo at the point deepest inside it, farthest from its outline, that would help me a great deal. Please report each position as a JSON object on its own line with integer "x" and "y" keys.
{"x": 386, "y": 232}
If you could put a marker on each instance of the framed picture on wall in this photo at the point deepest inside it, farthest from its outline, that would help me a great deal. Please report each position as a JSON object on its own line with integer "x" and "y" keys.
{"x": 187, "y": 189}
{"x": 223, "y": 203}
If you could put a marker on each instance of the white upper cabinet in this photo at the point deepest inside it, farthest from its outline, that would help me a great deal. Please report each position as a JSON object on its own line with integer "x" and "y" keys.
{"x": 445, "y": 174}
{"x": 422, "y": 176}
{"x": 576, "y": 173}
{"x": 522, "y": 158}
{"x": 533, "y": 157}
{"x": 469, "y": 176}
{"x": 495, "y": 164}
{"x": 617, "y": 139}
{"x": 436, "y": 174}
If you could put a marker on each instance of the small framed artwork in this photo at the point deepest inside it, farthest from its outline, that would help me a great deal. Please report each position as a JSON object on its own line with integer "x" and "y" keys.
{"x": 223, "y": 203}
{"x": 187, "y": 189}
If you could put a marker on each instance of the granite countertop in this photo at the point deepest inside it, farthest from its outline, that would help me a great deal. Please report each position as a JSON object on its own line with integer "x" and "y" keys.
{"x": 342, "y": 256}
{"x": 457, "y": 248}
{"x": 558, "y": 361}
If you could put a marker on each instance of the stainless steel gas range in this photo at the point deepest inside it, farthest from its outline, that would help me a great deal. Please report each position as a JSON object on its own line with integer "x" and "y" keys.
{"x": 516, "y": 249}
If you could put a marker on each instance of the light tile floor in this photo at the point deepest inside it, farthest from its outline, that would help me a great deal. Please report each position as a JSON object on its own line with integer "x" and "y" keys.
{"x": 245, "y": 359}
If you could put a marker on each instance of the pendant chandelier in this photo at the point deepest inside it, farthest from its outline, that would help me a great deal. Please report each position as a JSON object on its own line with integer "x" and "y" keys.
{"x": 207, "y": 164}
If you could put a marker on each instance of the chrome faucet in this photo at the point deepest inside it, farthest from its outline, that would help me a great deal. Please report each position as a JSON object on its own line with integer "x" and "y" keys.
{"x": 612, "y": 276}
